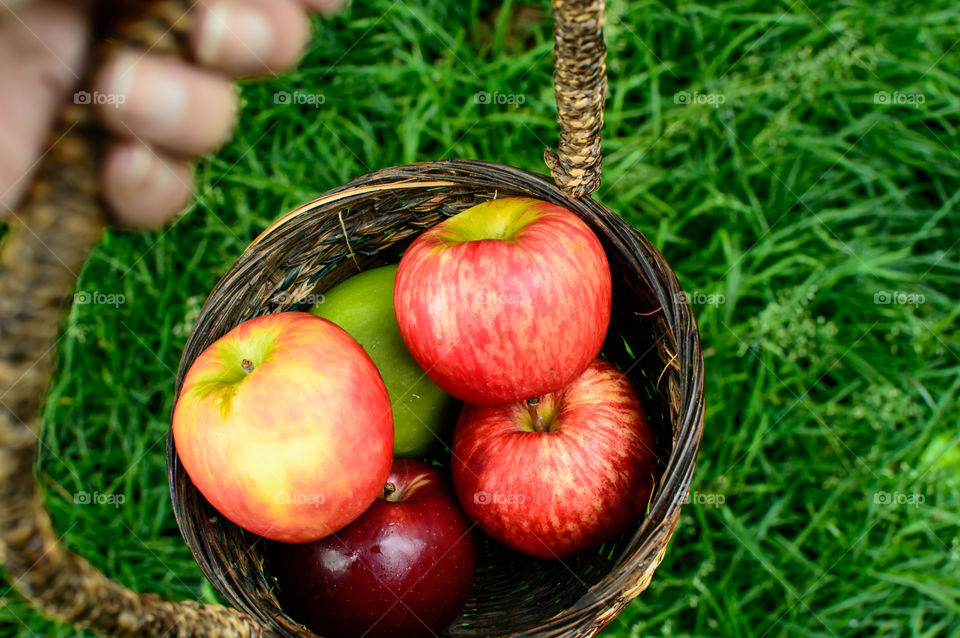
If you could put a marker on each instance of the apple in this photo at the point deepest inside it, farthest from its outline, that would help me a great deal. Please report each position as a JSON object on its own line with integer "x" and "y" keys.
{"x": 507, "y": 300}
{"x": 363, "y": 306}
{"x": 404, "y": 569}
{"x": 284, "y": 426}
{"x": 557, "y": 475}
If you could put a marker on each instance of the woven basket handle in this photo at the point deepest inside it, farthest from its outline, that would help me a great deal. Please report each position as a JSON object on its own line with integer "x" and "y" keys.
{"x": 46, "y": 246}
{"x": 580, "y": 80}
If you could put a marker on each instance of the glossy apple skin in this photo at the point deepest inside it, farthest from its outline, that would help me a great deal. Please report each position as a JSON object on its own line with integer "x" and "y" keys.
{"x": 494, "y": 321}
{"x": 300, "y": 446}
{"x": 423, "y": 414}
{"x": 419, "y": 548}
{"x": 557, "y": 493}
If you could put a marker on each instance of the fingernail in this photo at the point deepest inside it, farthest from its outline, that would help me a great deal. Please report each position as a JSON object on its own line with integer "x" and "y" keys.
{"x": 226, "y": 22}
{"x": 136, "y": 165}
{"x": 154, "y": 94}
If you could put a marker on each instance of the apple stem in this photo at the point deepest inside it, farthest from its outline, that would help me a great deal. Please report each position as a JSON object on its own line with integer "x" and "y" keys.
{"x": 538, "y": 425}
{"x": 247, "y": 365}
{"x": 389, "y": 489}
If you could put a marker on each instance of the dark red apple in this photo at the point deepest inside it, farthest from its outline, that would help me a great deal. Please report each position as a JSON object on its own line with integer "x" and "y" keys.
{"x": 403, "y": 569}
{"x": 557, "y": 476}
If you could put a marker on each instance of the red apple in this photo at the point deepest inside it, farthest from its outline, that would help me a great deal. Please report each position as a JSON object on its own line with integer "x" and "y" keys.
{"x": 403, "y": 569}
{"x": 561, "y": 476}
{"x": 507, "y": 300}
{"x": 284, "y": 425}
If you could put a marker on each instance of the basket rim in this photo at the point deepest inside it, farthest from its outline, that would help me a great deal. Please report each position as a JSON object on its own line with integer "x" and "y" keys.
{"x": 673, "y": 484}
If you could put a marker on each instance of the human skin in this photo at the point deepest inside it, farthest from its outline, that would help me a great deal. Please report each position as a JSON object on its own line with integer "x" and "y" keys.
{"x": 164, "y": 113}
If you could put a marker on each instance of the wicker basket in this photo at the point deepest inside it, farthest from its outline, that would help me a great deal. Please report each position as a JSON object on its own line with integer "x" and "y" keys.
{"x": 362, "y": 224}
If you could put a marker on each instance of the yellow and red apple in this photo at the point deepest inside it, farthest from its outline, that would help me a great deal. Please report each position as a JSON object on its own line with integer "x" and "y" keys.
{"x": 284, "y": 425}
{"x": 507, "y": 300}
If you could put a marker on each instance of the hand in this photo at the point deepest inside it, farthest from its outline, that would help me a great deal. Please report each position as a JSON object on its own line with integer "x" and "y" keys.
{"x": 161, "y": 111}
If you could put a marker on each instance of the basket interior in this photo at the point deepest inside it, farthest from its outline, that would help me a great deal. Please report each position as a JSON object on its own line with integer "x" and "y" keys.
{"x": 652, "y": 337}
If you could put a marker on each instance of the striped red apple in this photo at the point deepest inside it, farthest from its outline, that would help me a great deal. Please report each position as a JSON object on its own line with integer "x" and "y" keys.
{"x": 284, "y": 426}
{"x": 560, "y": 475}
{"x": 507, "y": 300}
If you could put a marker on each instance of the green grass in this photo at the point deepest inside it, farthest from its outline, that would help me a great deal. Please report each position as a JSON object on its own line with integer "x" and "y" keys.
{"x": 784, "y": 211}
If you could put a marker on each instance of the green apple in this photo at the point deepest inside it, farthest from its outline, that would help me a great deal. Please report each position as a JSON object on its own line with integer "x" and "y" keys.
{"x": 363, "y": 306}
